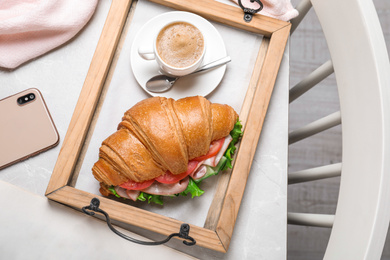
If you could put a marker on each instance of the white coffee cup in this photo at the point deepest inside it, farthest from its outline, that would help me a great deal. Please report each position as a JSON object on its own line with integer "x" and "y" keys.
{"x": 179, "y": 56}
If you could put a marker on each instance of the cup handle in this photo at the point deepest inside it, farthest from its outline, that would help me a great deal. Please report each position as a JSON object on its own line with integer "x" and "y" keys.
{"x": 146, "y": 53}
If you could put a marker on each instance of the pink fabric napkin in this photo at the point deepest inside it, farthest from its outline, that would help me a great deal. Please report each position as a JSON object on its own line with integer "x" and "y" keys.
{"x": 30, "y": 28}
{"x": 279, "y": 9}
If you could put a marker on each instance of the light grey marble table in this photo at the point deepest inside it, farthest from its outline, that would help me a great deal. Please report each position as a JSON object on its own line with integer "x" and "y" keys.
{"x": 261, "y": 227}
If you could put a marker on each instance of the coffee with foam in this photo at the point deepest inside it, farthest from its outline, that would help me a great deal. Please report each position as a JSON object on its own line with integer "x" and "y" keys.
{"x": 180, "y": 44}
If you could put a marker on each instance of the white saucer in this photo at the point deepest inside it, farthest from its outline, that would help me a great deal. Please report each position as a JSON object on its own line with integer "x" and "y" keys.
{"x": 199, "y": 84}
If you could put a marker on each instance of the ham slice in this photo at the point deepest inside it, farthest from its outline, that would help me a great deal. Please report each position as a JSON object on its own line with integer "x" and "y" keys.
{"x": 213, "y": 161}
{"x": 167, "y": 189}
{"x": 128, "y": 194}
{"x": 199, "y": 173}
{"x": 121, "y": 192}
{"x": 133, "y": 194}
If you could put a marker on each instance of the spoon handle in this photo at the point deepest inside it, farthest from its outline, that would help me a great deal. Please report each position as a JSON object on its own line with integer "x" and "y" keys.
{"x": 213, "y": 64}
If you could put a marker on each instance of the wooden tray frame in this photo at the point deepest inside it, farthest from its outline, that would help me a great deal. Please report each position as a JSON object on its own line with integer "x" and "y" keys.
{"x": 218, "y": 229}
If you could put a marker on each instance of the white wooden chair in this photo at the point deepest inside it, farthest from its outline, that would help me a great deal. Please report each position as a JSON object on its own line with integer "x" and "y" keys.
{"x": 361, "y": 66}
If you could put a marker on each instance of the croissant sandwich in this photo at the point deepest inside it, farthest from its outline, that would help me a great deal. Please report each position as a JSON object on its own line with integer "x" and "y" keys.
{"x": 165, "y": 147}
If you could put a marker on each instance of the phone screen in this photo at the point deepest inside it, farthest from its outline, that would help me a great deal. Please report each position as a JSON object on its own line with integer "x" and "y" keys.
{"x": 26, "y": 127}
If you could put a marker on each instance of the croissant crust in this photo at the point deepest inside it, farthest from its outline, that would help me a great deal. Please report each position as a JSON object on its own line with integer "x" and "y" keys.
{"x": 160, "y": 134}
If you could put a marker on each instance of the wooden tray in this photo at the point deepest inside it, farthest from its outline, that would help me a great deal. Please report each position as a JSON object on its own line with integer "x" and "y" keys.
{"x": 218, "y": 228}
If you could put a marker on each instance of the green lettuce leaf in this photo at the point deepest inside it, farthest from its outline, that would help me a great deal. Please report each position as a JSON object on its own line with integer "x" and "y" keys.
{"x": 236, "y": 134}
{"x": 192, "y": 188}
{"x": 113, "y": 191}
{"x": 150, "y": 198}
{"x": 211, "y": 171}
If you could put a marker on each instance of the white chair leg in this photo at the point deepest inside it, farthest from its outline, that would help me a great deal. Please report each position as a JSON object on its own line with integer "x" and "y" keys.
{"x": 303, "y": 7}
{"x": 311, "y": 80}
{"x": 315, "y": 127}
{"x": 323, "y": 172}
{"x": 309, "y": 219}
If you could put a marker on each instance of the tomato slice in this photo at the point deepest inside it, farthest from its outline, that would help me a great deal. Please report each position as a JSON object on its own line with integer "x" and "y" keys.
{"x": 170, "y": 178}
{"x": 215, "y": 146}
{"x": 132, "y": 185}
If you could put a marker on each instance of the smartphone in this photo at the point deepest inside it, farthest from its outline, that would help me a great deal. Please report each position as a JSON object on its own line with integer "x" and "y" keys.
{"x": 26, "y": 127}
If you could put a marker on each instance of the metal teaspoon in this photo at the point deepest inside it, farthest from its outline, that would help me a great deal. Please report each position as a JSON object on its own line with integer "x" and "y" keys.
{"x": 161, "y": 83}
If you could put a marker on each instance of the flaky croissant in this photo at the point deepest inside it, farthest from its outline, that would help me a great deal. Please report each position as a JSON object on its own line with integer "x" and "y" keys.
{"x": 158, "y": 135}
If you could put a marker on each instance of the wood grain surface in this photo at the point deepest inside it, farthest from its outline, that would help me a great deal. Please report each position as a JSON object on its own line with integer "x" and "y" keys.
{"x": 89, "y": 95}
